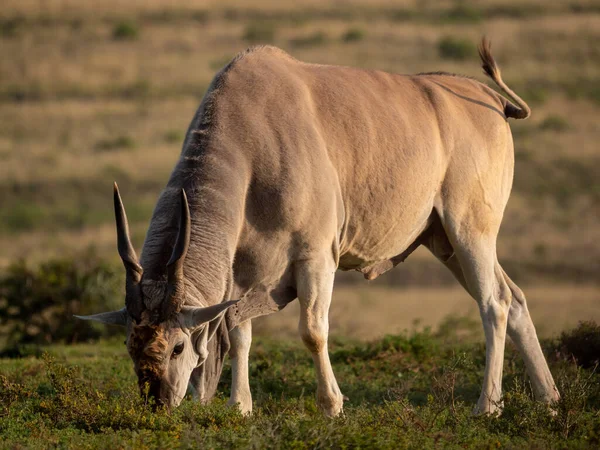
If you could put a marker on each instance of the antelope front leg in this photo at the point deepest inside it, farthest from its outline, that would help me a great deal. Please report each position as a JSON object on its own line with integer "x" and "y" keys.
{"x": 314, "y": 285}
{"x": 241, "y": 339}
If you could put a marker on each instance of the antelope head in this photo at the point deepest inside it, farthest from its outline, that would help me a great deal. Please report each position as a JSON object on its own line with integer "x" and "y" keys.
{"x": 168, "y": 341}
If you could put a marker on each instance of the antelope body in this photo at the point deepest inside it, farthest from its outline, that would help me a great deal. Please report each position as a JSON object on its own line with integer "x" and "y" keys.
{"x": 290, "y": 171}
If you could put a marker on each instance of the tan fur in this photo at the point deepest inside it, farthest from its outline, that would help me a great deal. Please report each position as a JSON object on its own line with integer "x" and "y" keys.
{"x": 492, "y": 70}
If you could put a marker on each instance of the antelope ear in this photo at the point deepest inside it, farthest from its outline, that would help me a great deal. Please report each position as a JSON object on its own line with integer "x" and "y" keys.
{"x": 111, "y": 318}
{"x": 193, "y": 316}
{"x": 206, "y": 331}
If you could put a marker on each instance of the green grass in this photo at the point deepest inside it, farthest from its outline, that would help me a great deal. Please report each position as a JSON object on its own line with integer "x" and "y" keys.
{"x": 115, "y": 143}
{"x": 174, "y": 137}
{"x": 410, "y": 391}
{"x": 311, "y": 40}
{"x": 353, "y": 35}
{"x": 555, "y": 123}
{"x": 71, "y": 204}
{"x": 260, "y": 33}
{"x": 125, "y": 30}
{"x": 456, "y": 48}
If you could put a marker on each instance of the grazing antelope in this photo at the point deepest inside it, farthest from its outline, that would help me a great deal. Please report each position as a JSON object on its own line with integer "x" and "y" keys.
{"x": 290, "y": 171}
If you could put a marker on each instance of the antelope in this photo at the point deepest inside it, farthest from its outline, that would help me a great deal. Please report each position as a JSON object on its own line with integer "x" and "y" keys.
{"x": 290, "y": 171}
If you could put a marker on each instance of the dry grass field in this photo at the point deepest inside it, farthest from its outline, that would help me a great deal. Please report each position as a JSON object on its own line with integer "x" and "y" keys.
{"x": 92, "y": 92}
{"x": 371, "y": 312}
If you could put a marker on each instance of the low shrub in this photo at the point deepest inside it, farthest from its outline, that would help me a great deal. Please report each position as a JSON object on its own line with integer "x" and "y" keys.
{"x": 311, "y": 40}
{"x": 11, "y": 26}
{"x": 455, "y": 48}
{"x": 117, "y": 143}
{"x": 554, "y": 123}
{"x": 464, "y": 13}
{"x": 174, "y": 136}
{"x": 37, "y": 304}
{"x": 125, "y": 30}
{"x": 581, "y": 344}
{"x": 260, "y": 33}
{"x": 353, "y": 35}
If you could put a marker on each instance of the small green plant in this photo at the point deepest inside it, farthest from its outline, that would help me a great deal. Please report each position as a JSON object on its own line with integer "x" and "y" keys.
{"x": 21, "y": 217}
{"x": 173, "y": 136}
{"x": 138, "y": 89}
{"x": 10, "y": 27}
{"x": 353, "y": 35}
{"x": 533, "y": 94}
{"x": 125, "y": 30}
{"x": 11, "y": 392}
{"x": 518, "y": 10}
{"x": 117, "y": 143}
{"x": 554, "y": 123}
{"x": 540, "y": 250}
{"x": 455, "y": 48}
{"x": 464, "y": 13}
{"x": 312, "y": 40}
{"x": 260, "y": 32}
{"x": 581, "y": 344}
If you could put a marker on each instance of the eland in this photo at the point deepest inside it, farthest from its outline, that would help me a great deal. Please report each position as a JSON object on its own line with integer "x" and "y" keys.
{"x": 290, "y": 171}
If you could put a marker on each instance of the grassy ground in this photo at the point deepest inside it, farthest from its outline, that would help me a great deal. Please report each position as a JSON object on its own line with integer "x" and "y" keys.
{"x": 406, "y": 391}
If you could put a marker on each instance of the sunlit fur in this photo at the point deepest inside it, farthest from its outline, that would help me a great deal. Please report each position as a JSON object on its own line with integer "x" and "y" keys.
{"x": 294, "y": 170}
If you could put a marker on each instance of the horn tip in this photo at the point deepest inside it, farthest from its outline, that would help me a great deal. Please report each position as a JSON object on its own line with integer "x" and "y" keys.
{"x": 116, "y": 192}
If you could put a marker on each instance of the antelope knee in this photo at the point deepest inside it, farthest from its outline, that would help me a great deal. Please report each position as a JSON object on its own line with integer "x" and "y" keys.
{"x": 314, "y": 336}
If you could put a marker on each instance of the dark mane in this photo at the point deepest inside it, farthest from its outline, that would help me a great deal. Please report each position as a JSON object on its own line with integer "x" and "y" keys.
{"x": 163, "y": 227}
{"x": 446, "y": 74}
{"x": 200, "y": 129}
{"x": 211, "y": 216}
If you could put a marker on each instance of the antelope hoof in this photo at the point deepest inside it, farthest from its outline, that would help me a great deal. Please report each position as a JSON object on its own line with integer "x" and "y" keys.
{"x": 486, "y": 406}
{"x": 331, "y": 405}
{"x": 243, "y": 406}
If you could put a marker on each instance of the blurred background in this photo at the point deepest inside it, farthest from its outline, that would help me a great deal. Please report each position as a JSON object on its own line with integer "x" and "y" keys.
{"x": 96, "y": 92}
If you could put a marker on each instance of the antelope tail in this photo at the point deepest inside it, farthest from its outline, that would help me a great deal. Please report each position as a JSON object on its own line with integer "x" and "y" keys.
{"x": 519, "y": 111}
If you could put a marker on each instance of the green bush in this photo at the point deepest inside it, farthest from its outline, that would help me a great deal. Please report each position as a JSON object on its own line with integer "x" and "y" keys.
{"x": 174, "y": 136}
{"x": 125, "y": 30}
{"x": 554, "y": 123}
{"x": 11, "y": 26}
{"x": 455, "y": 48}
{"x": 581, "y": 344}
{"x": 21, "y": 217}
{"x": 536, "y": 95}
{"x": 260, "y": 32}
{"x": 37, "y": 305}
{"x": 312, "y": 40}
{"x": 464, "y": 13}
{"x": 116, "y": 143}
{"x": 353, "y": 35}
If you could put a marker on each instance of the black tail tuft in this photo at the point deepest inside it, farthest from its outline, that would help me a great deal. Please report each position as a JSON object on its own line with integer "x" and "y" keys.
{"x": 519, "y": 111}
{"x": 488, "y": 64}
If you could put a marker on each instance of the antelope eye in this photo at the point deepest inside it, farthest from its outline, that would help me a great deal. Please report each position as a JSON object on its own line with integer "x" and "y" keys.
{"x": 177, "y": 350}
